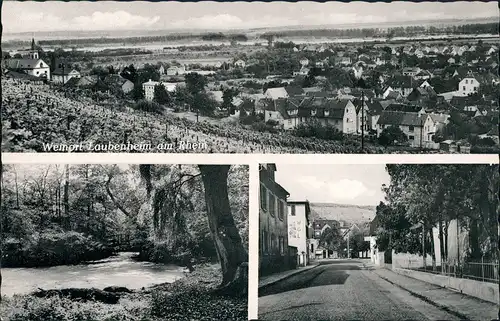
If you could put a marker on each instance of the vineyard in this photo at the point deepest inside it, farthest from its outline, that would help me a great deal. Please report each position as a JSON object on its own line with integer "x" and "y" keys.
{"x": 34, "y": 115}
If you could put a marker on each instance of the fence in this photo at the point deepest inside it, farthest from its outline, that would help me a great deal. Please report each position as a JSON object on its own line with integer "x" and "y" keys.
{"x": 480, "y": 271}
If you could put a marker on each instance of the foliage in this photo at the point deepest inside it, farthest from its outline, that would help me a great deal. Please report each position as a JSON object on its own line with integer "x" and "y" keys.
{"x": 432, "y": 196}
{"x": 317, "y": 130}
{"x": 331, "y": 239}
{"x": 148, "y": 106}
{"x": 161, "y": 95}
{"x": 392, "y": 135}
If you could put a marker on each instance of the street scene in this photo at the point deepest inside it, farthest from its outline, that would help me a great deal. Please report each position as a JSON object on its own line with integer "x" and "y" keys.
{"x": 250, "y": 77}
{"x": 378, "y": 242}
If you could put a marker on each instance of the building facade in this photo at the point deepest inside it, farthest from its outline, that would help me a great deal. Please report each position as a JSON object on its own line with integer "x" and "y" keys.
{"x": 275, "y": 254}
{"x": 298, "y": 231}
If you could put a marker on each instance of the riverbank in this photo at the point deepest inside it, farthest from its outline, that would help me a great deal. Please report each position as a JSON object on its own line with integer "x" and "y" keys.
{"x": 189, "y": 298}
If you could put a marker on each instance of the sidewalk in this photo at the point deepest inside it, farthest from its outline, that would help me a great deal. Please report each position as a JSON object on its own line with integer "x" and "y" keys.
{"x": 460, "y": 305}
{"x": 276, "y": 277}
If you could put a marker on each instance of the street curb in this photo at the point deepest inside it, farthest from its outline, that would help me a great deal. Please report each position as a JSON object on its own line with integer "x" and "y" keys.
{"x": 426, "y": 299}
{"x": 287, "y": 277}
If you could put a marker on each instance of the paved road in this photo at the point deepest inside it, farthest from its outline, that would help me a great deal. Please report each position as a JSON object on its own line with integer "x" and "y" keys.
{"x": 342, "y": 290}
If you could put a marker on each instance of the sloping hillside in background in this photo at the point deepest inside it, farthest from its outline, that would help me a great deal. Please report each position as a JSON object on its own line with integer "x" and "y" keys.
{"x": 341, "y": 212}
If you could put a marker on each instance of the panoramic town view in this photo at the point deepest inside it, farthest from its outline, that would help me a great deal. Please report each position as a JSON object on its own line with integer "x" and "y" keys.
{"x": 378, "y": 242}
{"x": 124, "y": 242}
{"x": 250, "y": 77}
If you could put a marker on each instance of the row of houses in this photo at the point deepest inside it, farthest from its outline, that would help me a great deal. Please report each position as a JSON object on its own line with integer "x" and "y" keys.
{"x": 289, "y": 236}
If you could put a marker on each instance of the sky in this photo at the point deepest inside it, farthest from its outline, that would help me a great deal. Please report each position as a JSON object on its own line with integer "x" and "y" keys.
{"x": 113, "y": 15}
{"x": 341, "y": 184}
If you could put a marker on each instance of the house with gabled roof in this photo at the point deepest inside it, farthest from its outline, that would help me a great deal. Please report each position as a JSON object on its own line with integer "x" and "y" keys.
{"x": 402, "y": 84}
{"x": 31, "y": 64}
{"x": 414, "y": 125}
{"x": 283, "y": 92}
{"x": 340, "y": 113}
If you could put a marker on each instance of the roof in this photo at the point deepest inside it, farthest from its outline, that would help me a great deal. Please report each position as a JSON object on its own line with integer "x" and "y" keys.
{"x": 294, "y": 90}
{"x": 276, "y": 93}
{"x": 401, "y": 82}
{"x": 404, "y": 108}
{"x": 63, "y": 71}
{"x": 374, "y": 107}
{"x": 398, "y": 118}
{"x": 22, "y": 63}
{"x": 22, "y": 75}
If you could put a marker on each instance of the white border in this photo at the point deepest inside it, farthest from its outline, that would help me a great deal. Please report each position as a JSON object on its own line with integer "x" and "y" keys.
{"x": 154, "y": 158}
{"x": 252, "y": 160}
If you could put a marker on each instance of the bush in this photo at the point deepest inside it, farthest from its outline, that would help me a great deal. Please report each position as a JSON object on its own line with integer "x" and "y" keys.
{"x": 392, "y": 135}
{"x": 51, "y": 248}
{"x": 148, "y": 106}
{"x": 318, "y": 130}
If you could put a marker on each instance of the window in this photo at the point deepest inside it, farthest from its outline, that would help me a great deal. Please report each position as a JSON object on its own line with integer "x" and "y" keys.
{"x": 265, "y": 244}
{"x": 312, "y": 248}
{"x": 411, "y": 128}
{"x": 463, "y": 87}
{"x": 273, "y": 242}
{"x": 466, "y": 81}
{"x": 411, "y": 137}
{"x": 263, "y": 198}
{"x": 272, "y": 204}
{"x": 475, "y": 88}
{"x": 292, "y": 207}
{"x": 281, "y": 241}
{"x": 281, "y": 210}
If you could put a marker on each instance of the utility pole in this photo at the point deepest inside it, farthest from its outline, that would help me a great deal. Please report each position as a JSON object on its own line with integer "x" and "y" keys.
{"x": 423, "y": 246}
{"x": 458, "y": 245}
{"x": 421, "y": 131}
{"x": 362, "y": 120}
{"x": 348, "y": 249}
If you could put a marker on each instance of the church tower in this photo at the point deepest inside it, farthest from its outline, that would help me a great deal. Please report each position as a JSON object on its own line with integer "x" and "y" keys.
{"x": 33, "y": 51}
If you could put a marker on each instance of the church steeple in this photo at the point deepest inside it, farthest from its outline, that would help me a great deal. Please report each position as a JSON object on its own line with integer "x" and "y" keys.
{"x": 34, "y": 50}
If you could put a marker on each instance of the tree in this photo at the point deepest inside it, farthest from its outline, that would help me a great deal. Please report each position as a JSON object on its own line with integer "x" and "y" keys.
{"x": 331, "y": 239}
{"x": 195, "y": 83}
{"x": 227, "y": 100}
{"x": 161, "y": 95}
{"x": 225, "y": 235}
{"x": 137, "y": 92}
{"x": 391, "y": 135}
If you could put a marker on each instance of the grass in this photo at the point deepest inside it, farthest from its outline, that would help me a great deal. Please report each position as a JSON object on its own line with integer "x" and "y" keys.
{"x": 189, "y": 298}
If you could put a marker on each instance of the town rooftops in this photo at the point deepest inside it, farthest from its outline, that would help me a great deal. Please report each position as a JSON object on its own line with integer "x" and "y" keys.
{"x": 398, "y": 118}
{"x": 403, "y": 108}
{"x": 63, "y": 71}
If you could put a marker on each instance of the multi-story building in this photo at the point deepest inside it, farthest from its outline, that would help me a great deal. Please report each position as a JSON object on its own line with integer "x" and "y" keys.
{"x": 298, "y": 231}
{"x": 274, "y": 252}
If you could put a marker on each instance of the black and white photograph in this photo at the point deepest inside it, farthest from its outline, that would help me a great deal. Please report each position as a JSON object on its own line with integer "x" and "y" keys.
{"x": 378, "y": 242}
{"x": 124, "y": 242}
{"x": 250, "y": 77}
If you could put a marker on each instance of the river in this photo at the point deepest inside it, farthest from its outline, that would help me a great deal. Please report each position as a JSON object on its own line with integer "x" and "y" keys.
{"x": 118, "y": 270}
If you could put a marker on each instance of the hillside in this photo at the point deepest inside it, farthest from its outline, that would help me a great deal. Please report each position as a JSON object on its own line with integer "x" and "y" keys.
{"x": 347, "y": 213}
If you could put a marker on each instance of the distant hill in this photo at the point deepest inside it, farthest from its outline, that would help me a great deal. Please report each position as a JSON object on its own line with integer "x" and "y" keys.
{"x": 348, "y": 213}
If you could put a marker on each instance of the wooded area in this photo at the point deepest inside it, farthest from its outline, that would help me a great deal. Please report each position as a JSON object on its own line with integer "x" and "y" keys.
{"x": 174, "y": 214}
{"x": 434, "y": 195}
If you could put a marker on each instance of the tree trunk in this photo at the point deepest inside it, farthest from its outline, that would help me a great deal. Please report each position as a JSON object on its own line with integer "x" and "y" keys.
{"x": 66, "y": 198}
{"x": 232, "y": 256}
{"x": 441, "y": 244}
{"x": 446, "y": 226}
{"x": 433, "y": 251}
